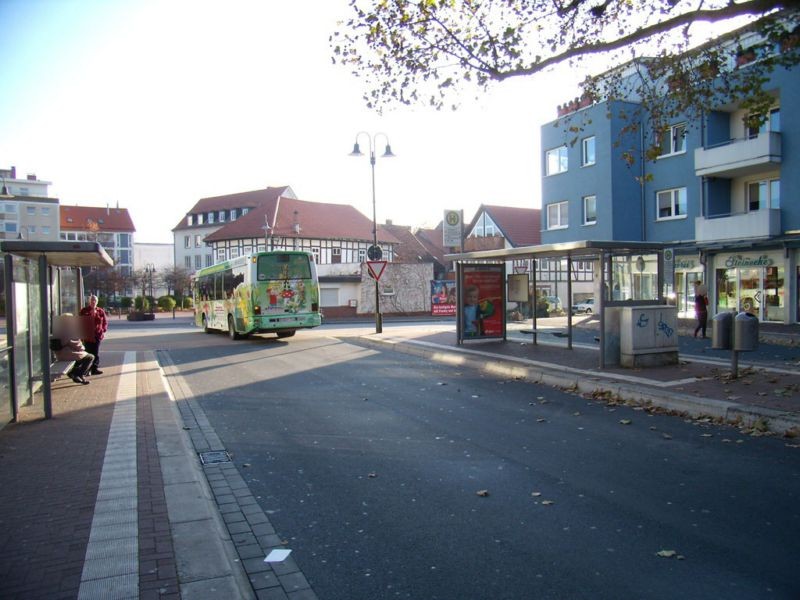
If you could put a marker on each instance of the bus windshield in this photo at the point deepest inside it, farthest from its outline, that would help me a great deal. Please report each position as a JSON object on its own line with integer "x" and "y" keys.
{"x": 283, "y": 266}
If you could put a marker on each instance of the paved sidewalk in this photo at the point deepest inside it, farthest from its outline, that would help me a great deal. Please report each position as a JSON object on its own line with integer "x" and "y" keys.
{"x": 108, "y": 500}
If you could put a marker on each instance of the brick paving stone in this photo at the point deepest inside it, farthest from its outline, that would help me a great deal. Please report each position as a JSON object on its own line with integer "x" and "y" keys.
{"x": 156, "y": 550}
{"x": 275, "y": 593}
{"x": 50, "y": 471}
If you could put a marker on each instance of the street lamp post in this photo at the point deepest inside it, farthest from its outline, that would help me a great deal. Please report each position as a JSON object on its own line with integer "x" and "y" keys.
{"x": 149, "y": 270}
{"x": 374, "y": 252}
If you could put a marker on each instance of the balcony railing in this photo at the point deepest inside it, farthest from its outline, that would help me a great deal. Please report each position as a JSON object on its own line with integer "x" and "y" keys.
{"x": 739, "y": 157}
{"x": 756, "y": 224}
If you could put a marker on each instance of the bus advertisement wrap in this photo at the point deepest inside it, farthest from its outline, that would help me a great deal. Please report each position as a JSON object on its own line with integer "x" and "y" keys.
{"x": 264, "y": 292}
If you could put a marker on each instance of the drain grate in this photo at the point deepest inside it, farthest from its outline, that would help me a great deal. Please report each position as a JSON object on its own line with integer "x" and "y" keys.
{"x": 216, "y": 456}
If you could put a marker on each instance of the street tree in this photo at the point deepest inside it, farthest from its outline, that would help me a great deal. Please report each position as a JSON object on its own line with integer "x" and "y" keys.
{"x": 434, "y": 51}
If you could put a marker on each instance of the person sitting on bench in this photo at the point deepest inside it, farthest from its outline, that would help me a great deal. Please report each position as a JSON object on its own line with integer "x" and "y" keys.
{"x": 72, "y": 348}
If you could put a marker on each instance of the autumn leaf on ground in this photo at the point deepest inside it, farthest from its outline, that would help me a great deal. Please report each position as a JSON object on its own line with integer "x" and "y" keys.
{"x": 625, "y": 421}
{"x": 547, "y": 502}
{"x": 536, "y": 494}
{"x": 482, "y": 493}
{"x": 667, "y": 553}
{"x": 372, "y": 475}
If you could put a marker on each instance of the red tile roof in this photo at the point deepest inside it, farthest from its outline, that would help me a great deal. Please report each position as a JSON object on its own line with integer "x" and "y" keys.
{"x": 410, "y": 248}
{"x": 520, "y": 226}
{"x": 316, "y": 219}
{"x": 248, "y": 200}
{"x": 95, "y": 218}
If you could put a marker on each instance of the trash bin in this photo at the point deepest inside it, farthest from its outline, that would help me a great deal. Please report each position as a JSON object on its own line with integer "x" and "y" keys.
{"x": 745, "y": 332}
{"x": 721, "y": 329}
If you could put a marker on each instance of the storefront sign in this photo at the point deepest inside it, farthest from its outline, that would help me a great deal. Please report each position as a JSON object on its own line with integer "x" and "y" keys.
{"x": 739, "y": 261}
{"x": 686, "y": 264}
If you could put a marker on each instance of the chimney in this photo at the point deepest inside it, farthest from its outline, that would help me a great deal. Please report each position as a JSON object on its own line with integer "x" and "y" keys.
{"x": 388, "y": 221}
{"x": 108, "y": 209}
{"x": 296, "y": 224}
{"x": 31, "y": 176}
{"x": 13, "y": 172}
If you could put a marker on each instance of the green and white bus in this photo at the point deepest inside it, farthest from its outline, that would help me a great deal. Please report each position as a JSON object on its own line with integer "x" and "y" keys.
{"x": 256, "y": 293}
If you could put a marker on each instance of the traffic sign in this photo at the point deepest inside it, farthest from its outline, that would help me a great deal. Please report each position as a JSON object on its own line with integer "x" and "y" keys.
{"x": 376, "y": 268}
{"x": 374, "y": 253}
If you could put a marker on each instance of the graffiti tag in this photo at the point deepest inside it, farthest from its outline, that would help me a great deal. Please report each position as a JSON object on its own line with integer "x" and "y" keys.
{"x": 664, "y": 328}
{"x": 643, "y": 320}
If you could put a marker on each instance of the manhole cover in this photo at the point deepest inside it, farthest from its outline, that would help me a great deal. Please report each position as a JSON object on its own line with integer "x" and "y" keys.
{"x": 217, "y": 456}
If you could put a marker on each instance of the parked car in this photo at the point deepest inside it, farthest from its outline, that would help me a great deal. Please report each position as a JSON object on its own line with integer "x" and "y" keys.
{"x": 584, "y": 307}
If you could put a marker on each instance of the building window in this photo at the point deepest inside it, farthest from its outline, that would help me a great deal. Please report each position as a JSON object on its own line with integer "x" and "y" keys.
{"x": 45, "y": 230}
{"x": 209, "y": 259}
{"x": 189, "y": 220}
{"x": 46, "y": 211}
{"x": 210, "y": 218}
{"x": 10, "y": 227}
{"x": 245, "y": 211}
{"x": 557, "y": 215}
{"x": 671, "y": 204}
{"x": 589, "y": 210}
{"x": 315, "y": 252}
{"x": 556, "y": 161}
{"x": 200, "y": 219}
{"x": 587, "y": 156}
{"x": 233, "y": 214}
{"x": 187, "y": 262}
{"x": 124, "y": 240}
{"x": 31, "y": 228}
{"x": 221, "y": 216}
{"x": 234, "y": 252}
{"x": 12, "y": 208}
{"x": 220, "y": 254}
{"x": 763, "y": 194}
{"x": 362, "y": 255}
{"x": 672, "y": 140}
{"x": 187, "y": 241}
{"x": 198, "y": 241}
{"x": 198, "y": 261}
{"x": 31, "y": 210}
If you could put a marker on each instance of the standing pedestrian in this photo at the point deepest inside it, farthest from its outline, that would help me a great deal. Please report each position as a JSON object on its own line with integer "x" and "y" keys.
{"x": 94, "y": 330}
{"x": 700, "y": 307}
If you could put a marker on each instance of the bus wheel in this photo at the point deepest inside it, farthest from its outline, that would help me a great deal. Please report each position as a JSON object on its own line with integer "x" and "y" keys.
{"x": 206, "y": 328}
{"x": 283, "y": 334}
{"x": 231, "y": 329}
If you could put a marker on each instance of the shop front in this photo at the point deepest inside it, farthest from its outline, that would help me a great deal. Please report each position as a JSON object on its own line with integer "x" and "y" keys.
{"x": 753, "y": 282}
{"x": 688, "y": 269}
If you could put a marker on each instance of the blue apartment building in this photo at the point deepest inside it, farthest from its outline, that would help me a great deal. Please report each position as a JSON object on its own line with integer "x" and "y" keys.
{"x": 724, "y": 195}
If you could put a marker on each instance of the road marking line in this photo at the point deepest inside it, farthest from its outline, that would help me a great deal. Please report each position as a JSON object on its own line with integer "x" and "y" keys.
{"x": 111, "y": 567}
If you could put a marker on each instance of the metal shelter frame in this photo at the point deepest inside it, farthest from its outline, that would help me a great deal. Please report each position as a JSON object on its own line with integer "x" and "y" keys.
{"x": 603, "y": 251}
{"x": 48, "y": 255}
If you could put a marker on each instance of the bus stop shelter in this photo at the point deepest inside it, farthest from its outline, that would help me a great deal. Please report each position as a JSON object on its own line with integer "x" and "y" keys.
{"x": 42, "y": 279}
{"x": 625, "y": 274}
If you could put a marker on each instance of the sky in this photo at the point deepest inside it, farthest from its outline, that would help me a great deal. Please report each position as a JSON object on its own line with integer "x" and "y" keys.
{"x": 151, "y": 105}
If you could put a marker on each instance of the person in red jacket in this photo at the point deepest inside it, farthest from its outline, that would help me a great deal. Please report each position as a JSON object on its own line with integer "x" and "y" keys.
{"x": 94, "y": 331}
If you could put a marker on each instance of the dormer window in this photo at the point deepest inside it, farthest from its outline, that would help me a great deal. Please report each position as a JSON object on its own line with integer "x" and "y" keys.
{"x": 210, "y": 218}
{"x": 190, "y": 220}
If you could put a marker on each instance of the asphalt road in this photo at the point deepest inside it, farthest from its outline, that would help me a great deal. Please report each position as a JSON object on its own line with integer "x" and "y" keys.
{"x": 391, "y": 477}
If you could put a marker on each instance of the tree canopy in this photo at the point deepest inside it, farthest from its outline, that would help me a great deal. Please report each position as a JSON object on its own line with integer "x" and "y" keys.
{"x": 433, "y": 51}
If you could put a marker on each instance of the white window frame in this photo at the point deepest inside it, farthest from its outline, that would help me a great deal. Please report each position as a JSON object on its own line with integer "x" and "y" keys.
{"x": 675, "y": 204}
{"x": 769, "y": 201}
{"x": 189, "y": 220}
{"x": 677, "y": 139}
{"x": 198, "y": 261}
{"x": 187, "y": 261}
{"x": 221, "y": 216}
{"x": 198, "y": 240}
{"x": 45, "y": 230}
{"x": 560, "y": 160}
{"x": 211, "y": 218}
{"x": 585, "y": 202}
{"x": 220, "y": 254}
{"x": 187, "y": 241}
{"x": 585, "y": 159}
{"x": 45, "y": 211}
{"x": 31, "y": 210}
{"x": 562, "y": 220}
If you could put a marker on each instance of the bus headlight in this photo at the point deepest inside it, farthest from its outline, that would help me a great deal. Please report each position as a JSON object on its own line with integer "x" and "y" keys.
{"x": 314, "y": 306}
{"x": 257, "y": 309}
